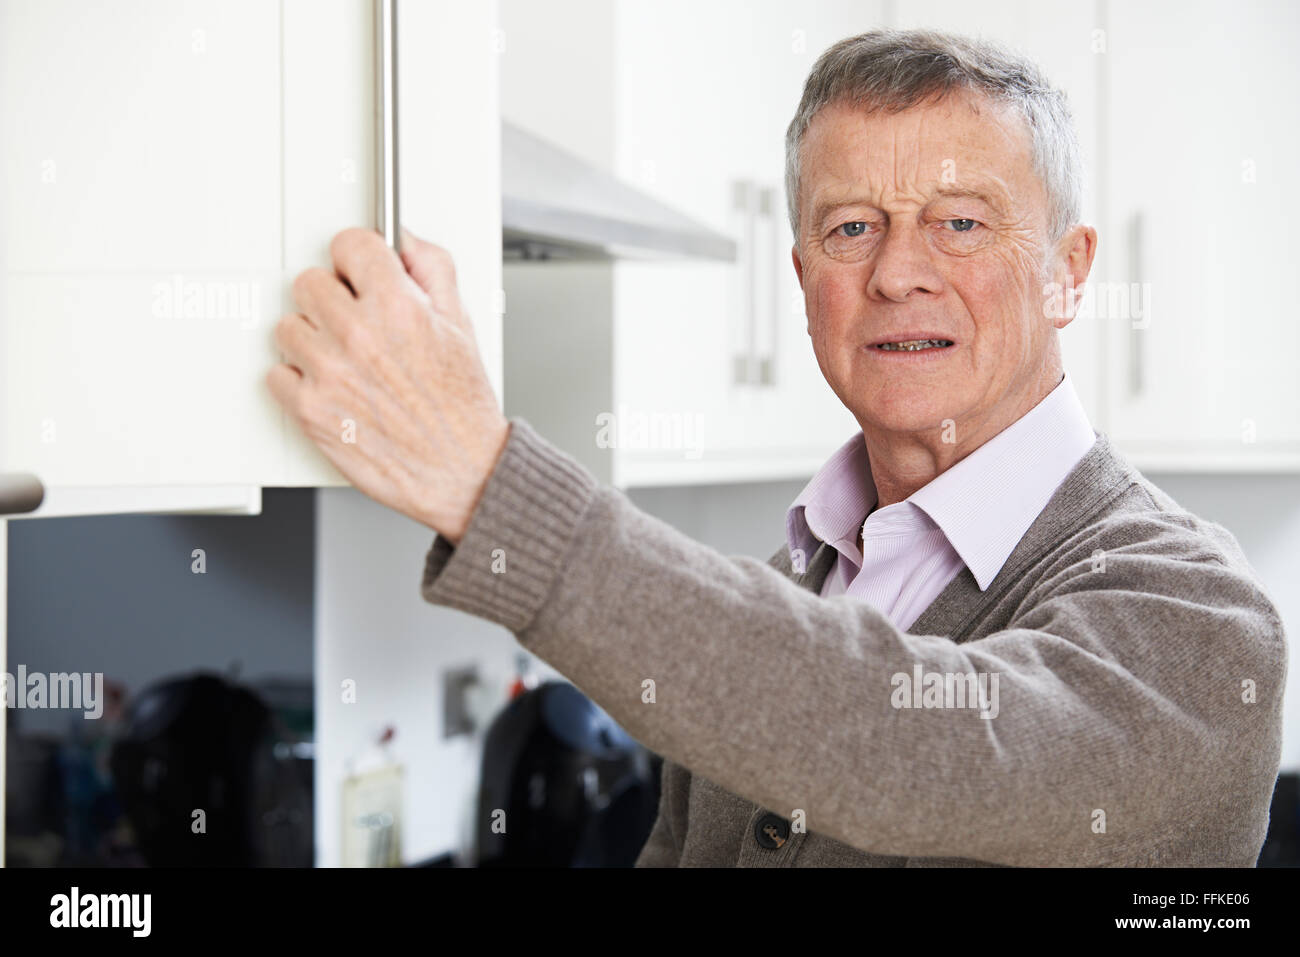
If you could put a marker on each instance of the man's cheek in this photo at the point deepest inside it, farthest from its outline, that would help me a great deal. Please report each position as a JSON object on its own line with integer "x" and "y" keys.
{"x": 836, "y": 297}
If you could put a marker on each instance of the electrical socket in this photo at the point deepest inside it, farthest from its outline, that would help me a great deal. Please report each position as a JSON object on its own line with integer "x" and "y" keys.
{"x": 457, "y": 715}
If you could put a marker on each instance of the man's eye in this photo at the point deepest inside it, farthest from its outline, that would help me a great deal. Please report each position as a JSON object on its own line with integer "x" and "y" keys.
{"x": 854, "y": 229}
{"x": 962, "y": 225}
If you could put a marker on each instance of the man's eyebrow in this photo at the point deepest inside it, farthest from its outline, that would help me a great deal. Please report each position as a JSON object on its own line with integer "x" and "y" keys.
{"x": 824, "y": 207}
{"x": 970, "y": 193}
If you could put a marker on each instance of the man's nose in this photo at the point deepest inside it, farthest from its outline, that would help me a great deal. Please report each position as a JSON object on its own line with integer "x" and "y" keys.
{"x": 903, "y": 265}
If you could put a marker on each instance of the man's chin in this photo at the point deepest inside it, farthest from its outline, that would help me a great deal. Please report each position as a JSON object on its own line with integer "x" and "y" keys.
{"x": 918, "y": 419}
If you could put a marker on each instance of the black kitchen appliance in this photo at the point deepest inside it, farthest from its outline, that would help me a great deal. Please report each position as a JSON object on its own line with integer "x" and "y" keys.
{"x": 563, "y": 785}
{"x": 201, "y": 743}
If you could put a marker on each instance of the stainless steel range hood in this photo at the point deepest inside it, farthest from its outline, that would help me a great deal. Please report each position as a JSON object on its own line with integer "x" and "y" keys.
{"x": 557, "y": 206}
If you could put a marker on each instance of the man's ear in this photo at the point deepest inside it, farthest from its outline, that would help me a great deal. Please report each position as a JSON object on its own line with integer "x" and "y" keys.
{"x": 1080, "y": 244}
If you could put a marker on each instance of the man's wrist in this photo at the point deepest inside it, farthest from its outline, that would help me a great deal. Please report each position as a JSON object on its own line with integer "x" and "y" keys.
{"x": 455, "y": 534}
{"x": 503, "y": 566}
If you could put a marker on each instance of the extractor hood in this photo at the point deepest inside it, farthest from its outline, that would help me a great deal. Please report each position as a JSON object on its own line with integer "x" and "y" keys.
{"x": 555, "y": 205}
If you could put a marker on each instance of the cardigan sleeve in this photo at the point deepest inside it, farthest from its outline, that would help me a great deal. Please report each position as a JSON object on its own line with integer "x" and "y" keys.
{"x": 1130, "y": 706}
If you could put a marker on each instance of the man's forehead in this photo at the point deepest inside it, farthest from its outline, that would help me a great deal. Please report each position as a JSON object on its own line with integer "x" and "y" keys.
{"x": 943, "y": 149}
{"x": 962, "y": 118}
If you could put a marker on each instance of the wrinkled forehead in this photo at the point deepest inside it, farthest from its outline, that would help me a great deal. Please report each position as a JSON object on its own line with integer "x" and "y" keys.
{"x": 962, "y": 143}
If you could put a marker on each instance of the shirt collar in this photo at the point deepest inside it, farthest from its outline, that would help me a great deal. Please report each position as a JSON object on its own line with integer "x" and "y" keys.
{"x": 831, "y": 507}
{"x": 984, "y": 504}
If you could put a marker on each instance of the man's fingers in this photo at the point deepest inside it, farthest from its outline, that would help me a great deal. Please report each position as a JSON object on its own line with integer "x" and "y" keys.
{"x": 363, "y": 259}
{"x": 292, "y": 336}
{"x": 320, "y": 293}
{"x": 433, "y": 270}
{"x": 284, "y": 383}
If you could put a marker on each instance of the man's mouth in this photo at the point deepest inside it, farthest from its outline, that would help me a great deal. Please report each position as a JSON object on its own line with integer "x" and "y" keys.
{"x": 913, "y": 345}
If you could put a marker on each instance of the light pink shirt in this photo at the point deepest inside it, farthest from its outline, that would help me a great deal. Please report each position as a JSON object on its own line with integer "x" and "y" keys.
{"x": 972, "y": 515}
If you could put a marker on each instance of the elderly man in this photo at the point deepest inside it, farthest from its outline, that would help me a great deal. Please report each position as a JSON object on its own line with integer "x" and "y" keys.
{"x": 987, "y": 638}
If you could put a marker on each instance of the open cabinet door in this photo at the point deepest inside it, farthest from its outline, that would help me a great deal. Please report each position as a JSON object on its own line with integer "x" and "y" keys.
{"x": 142, "y": 245}
{"x": 167, "y": 170}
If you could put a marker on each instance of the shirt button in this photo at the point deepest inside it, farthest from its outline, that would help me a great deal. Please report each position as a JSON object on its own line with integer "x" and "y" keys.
{"x": 771, "y": 831}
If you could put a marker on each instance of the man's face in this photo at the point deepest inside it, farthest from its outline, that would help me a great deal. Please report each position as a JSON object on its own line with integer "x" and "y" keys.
{"x": 929, "y": 223}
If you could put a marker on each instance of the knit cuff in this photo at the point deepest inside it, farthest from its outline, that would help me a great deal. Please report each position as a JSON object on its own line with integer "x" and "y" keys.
{"x": 515, "y": 544}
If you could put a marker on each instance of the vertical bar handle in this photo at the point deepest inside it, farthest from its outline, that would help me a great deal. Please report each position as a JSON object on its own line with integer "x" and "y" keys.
{"x": 767, "y": 363}
{"x": 386, "y": 204}
{"x": 745, "y": 361}
{"x": 1136, "y": 359}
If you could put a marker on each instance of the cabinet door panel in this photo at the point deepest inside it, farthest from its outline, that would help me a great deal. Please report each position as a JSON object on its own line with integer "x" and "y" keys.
{"x": 132, "y": 380}
{"x": 329, "y": 164}
{"x": 1204, "y": 157}
{"x": 169, "y": 167}
{"x": 142, "y": 135}
{"x": 141, "y": 238}
{"x": 685, "y": 82}
{"x": 451, "y": 151}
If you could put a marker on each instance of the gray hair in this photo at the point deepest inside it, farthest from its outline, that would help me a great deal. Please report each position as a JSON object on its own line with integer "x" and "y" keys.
{"x": 896, "y": 69}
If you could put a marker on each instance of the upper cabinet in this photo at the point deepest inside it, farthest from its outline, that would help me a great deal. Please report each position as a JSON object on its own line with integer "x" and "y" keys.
{"x": 168, "y": 169}
{"x": 1200, "y": 141}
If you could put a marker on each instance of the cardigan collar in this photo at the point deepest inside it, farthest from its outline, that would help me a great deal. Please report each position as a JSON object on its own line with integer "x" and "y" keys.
{"x": 1102, "y": 473}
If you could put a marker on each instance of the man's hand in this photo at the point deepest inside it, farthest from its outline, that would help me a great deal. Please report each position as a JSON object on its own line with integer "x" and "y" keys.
{"x": 382, "y": 372}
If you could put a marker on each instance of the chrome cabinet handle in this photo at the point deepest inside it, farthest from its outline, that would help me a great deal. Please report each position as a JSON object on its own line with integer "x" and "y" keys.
{"x": 744, "y": 361}
{"x": 767, "y": 363}
{"x": 752, "y": 365}
{"x": 1136, "y": 360}
{"x": 20, "y": 492}
{"x": 386, "y": 206}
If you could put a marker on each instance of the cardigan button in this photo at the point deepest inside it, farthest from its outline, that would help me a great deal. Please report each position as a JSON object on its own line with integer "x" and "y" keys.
{"x": 771, "y": 831}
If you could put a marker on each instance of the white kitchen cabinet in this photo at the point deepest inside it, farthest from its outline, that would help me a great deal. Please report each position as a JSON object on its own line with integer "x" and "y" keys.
{"x": 169, "y": 167}
{"x": 1200, "y": 146}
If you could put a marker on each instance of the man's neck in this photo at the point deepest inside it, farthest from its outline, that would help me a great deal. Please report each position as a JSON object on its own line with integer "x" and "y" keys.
{"x": 903, "y": 463}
